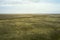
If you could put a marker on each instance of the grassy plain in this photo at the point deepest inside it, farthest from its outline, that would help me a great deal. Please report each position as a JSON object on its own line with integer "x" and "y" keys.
{"x": 29, "y": 27}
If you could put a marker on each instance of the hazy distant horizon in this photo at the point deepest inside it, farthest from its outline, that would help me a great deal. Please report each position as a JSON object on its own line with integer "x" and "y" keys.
{"x": 29, "y": 13}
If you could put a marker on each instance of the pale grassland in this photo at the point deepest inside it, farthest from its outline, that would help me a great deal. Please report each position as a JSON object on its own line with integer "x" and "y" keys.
{"x": 30, "y": 27}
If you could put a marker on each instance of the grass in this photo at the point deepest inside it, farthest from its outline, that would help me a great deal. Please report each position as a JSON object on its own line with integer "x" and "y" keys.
{"x": 30, "y": 27}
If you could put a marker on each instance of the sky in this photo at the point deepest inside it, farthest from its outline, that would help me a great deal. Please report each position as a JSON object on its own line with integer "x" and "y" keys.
{"x": 29, "y": 6}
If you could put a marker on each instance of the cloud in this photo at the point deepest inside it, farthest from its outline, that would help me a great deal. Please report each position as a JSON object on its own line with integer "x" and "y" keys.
{"x": 29, "y": 6}
{"x": 51, "y": 1}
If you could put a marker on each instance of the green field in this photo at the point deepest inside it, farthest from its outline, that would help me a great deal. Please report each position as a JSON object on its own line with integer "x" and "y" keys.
{"x": 29, "y": 27}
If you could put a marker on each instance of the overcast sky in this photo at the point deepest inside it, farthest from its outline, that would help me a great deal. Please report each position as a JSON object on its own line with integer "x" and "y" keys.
{"x": 29, "y": 6}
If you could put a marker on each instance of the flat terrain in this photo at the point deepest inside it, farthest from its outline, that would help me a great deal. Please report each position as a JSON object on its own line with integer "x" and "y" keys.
{"x": 29, "y": 27}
